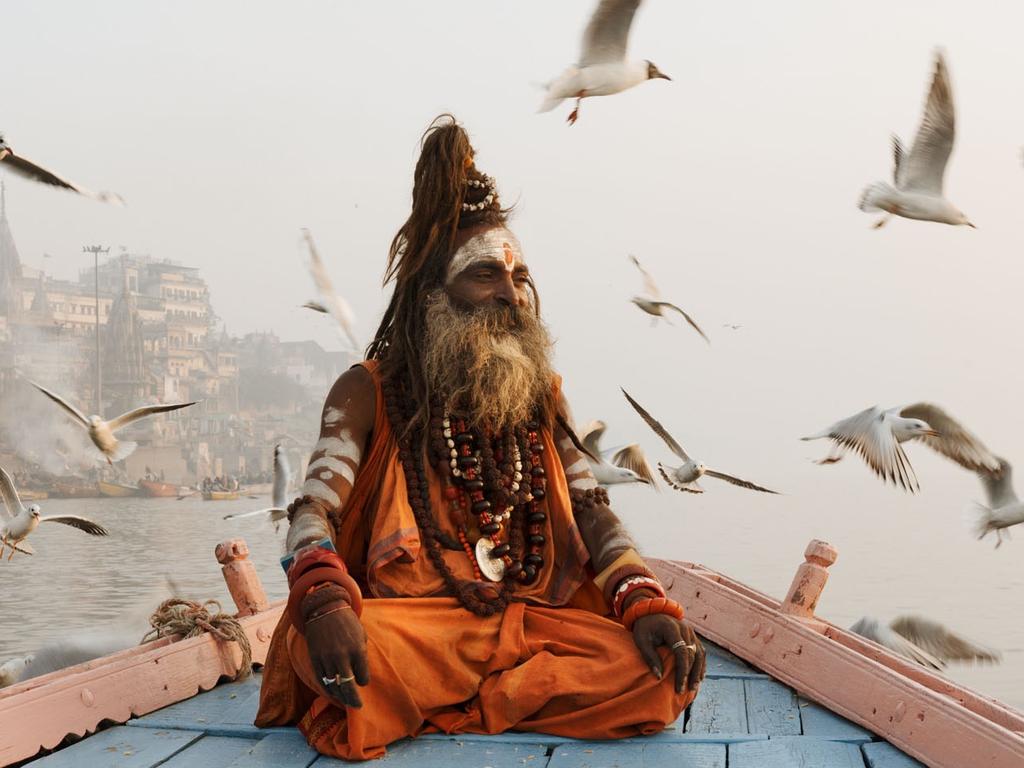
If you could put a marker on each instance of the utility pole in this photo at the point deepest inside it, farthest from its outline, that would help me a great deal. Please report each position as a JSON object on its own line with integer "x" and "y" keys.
{"x": 96, "y": 250}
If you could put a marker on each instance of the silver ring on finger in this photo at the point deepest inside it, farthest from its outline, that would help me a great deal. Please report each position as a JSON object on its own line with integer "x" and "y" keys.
{"x": 692, "y": 647}
{"x": 328, "y": 680}
{"x": 339, "y": 679}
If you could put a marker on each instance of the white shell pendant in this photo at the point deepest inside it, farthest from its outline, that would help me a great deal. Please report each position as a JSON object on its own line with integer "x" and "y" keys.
{"x": 493, "y": 568}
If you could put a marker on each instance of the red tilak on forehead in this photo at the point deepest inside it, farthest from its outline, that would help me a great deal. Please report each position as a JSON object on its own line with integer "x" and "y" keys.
{"x": 510, "y": 258}
{"x": 495, "y": 244}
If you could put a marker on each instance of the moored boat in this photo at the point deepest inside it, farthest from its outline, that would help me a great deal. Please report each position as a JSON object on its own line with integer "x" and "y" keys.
{"x": 27, "y": 494}
{"x": 156, "y": 489}
{"x": 117, "y": 490}
{"x": 220, "y": 495}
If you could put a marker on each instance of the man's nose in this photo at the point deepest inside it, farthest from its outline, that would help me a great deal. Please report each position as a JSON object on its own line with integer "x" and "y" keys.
{"x": 506, "y": 292}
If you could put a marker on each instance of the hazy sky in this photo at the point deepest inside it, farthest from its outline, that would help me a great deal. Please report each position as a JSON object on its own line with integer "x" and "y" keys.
{"x": 228, "y": 126}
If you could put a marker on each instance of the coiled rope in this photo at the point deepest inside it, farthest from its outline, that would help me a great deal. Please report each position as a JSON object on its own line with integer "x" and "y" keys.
{"x": 187, "y": 618}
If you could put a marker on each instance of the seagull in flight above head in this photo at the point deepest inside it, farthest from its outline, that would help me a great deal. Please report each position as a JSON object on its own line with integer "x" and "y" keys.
{"x": 279, "y": 496}
{"x": 916, "y": 191}
{"x": 1002, "y": 510}
{"x": 685, "y": 476}
{"x": 25, "y": 168}
{"x": 652, "y": 304}
{"x": 615, "y": 466}
{"x": 923, "y": 641}
{"x": 602, "y": 68}
{"x": 330, "y": 302}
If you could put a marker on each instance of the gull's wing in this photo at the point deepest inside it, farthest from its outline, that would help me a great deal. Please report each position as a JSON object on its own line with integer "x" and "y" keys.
{"x": 955, "y": 441}
{"x": 25, "y": 168}
{"x": 659, "y": 430}
{"x": 607, "y": 34}
{"x": 140, "y": 413}
{"x": 76, "y": 414}
{"x": 650, "y": 288}
{"x": 337, "y": 307}
{"x": 736, "y": 481}
{"x": 999, "y": 487}
{"x": 316, "y": 306}
{"x": 12, "y": 502}
{"x": 874, "y": 630}
{"x": 591, "y": 438}
{"x": 282, "y": 478}
{"x": 923, "y": 169}
{"x": 81, "y": 523}
{"x": 897, "y": 159}
{"x": 870, "y": 435}
{"x": 939, "y": 641}
{"x": 632, "y": 457}
{"x": 275, "y": 514}
{"x": 688, "y": 318}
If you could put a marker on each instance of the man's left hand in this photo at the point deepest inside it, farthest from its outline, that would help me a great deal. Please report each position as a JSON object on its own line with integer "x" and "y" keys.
{"x": 655, "y": 630}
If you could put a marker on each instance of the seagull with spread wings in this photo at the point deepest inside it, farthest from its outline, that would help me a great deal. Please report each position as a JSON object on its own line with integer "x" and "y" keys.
{"x": 330, "y": 302}
{"x": 279, "y": 495}
{"x": 25, "y": 168}
{"x": 18, "y": 521}
{"x": 685, "y": 476}
{"x": 916, "y": 192}
{"x": 1003, "y": 509}
{"x": 602, "y": 68}
{"x": 615, "y": 465}
{"x": 652, "y": 304}
{"x": 102, "y": 432}
{"x": 923, "y": 641}
{"x": 877, "y": 433}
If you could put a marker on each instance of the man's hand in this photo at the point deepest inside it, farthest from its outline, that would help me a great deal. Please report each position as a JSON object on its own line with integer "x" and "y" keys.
{"x": 649, "y": 632}
{"x": 337, "y": 649}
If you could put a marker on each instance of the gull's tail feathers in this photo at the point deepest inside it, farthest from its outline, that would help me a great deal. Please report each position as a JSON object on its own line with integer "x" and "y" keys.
{"x": 124, "y": 449}
{"x": 876, "y": 196}
{"x": 982, "y": 521}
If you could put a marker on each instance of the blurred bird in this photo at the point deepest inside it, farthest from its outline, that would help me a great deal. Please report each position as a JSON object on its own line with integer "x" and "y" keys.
{"x": 602, "y": 68}
{"x": 923, "y": 641}
{"x": 627, "y": 464}
{"x": 652, "y": 305}
{"x": 732, "y": 326}
{"x": 917, "y": 177}
{"x": 1004, "y": 509}
{"x": 25, "y": 168}
{"x": 685, "y": 477}
{"x": 102, "y": 432}
{"x": 19, "y": 522}
{"x": 279, "y": 496}
{"x": 876, "y": 434}
{"x": 331, "y": 303}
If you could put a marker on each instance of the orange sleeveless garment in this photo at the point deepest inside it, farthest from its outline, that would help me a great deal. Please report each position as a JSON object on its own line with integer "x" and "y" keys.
{"x": 552, "y": 664}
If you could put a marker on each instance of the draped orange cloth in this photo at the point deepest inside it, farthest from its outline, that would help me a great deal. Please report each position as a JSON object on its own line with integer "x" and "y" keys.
{"x": 553, "y": 662}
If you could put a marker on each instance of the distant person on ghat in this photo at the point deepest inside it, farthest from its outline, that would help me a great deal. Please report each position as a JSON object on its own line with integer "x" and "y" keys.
{"x": 481, "y": 582}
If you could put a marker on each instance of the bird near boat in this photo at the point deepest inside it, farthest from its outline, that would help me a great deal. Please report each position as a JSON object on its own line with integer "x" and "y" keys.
{"x": 101, "y": 432}
{"x": 602, "y": 69}
{"x": 685, "y": 476}
{"x": 923, "y": 641}
{"x": 652, "y": 304}
{"x": 22, "y": 166}
{"x": 18, "y": 521}
{"x": 279, "y": 495}
{"x": 916, "y": 191}
{"x": 615, "y": 465}
{"x": 877, "y": 434}
{"x": 330, "y": 302}
{"x": 1003, "y": 509}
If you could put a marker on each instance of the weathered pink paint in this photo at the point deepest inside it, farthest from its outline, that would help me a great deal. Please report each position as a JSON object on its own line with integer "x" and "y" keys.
{"x": 925, "y": 715}
{"x": 240, "y": 574}
{"x": 810, "y": 579}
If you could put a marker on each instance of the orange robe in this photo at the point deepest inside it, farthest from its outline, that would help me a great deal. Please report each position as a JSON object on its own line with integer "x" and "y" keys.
{"x": 554, "y": 663}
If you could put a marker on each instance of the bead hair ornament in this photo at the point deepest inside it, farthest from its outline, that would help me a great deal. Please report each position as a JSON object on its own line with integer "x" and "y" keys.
{"x": 497, "y": 244}
{"x": 485, "y": 182}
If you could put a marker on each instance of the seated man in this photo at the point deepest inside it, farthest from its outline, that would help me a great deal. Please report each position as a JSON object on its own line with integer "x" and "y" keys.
{"x": 481, "y": 582}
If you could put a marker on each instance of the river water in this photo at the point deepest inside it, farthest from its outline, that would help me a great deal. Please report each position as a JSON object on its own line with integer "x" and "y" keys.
{"x": 77, "y": 583}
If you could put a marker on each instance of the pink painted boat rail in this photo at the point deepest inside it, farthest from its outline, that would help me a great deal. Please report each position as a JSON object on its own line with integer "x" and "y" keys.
{"x": 922, "y": 713}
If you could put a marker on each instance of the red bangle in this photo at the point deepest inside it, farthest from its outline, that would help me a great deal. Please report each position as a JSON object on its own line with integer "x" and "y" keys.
{"x": 624, "y": 572}
{"x": 311, "y": 558}
{"x": 311, "y": 579}
{"x": 620, "y": 597}
{"x": 655, "y": 605}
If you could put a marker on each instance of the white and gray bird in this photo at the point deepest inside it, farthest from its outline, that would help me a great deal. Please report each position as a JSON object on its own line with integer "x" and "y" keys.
{"x": 1002, "y": 510}
{"x": 18, "y": 521}
{"x": 330, "y": 302}
{"x": 25, "y": 168}
{"x": 923, "y": 641}
{"x": 876, "y": 434}
{"x": 101, "y": 432}
{"x": 685, "y": 476}
{"x": 652, "y": 304}
{"x": 279, "y": 495}
{"x": 916, "y": 192}
{"x": 602, "y": 68}
{"x": 615, "y": 465}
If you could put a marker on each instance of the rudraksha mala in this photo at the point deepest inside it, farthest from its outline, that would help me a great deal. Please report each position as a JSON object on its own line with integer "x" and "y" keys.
{"x": 584, "y": 500}
{"x": 333, "y": 515}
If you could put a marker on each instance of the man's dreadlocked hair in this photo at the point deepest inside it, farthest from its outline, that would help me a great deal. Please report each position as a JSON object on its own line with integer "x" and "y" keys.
{"x": 422, "y": 249}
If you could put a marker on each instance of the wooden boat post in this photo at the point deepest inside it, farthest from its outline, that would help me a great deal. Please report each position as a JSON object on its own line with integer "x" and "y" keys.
{"x": 240, "y": 574}
{"x": 810, "y": 580}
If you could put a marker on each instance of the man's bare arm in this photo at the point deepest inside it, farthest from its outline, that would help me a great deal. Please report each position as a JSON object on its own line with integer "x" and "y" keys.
{"x": 345, "y": 426}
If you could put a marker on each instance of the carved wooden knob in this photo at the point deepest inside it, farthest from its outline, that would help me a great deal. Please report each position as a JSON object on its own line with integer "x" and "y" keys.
{"x": 820, "y": 553}
{"x": 231, "y": 550}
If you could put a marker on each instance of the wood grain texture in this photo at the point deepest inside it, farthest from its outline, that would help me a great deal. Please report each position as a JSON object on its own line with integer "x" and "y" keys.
{"x": 453, "y": 754}
{"x": 605, "y": 755}
{"x": 720, "y": 707}
{"x": 820, "y": 723}
{"x": 795, "y": 752}
{"x": 771, "y": 708}
{"x": 120, "y": 748}
{"x": 882, "y": 754}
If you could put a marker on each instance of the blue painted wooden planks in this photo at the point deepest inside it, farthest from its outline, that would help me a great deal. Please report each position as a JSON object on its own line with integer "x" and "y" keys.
{"x": 794, "y": 752}
{"x": 722, "y": 663}
{"x": 227, "y": 710}
{"x": 616, "y": 755}
{"x": 720, "y": 707}
{"x": 771, "y": 708}
{"x": 121, "y": 748}
{"x": 882, "y": 754}
{"x": 209, "y": 752}
{"x": 453, "y": 754}
{"x": 821, "y": 723}
{"x": 277, "y": 750}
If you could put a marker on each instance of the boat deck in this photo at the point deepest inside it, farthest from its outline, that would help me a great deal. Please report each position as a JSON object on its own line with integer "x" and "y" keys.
{"x": 741, "y": 719}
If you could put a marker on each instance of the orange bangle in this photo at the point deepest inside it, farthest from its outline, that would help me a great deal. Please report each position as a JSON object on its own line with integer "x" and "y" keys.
{"x": 655, "y": 605}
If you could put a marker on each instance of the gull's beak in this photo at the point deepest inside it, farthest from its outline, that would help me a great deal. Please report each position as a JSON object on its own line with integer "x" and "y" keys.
{"x": 932, "y": 433}
{"x": 663, "y": 76}
{"x": 971, "y": 225}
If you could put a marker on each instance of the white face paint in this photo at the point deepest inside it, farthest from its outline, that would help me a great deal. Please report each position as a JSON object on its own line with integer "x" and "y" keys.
{"x": 496, "y": 244}
{"x": 342, "y": 447}
{"x": 332, "y": 416}
{"x": 320, "y": 491}
{"x": 337, "y": 466}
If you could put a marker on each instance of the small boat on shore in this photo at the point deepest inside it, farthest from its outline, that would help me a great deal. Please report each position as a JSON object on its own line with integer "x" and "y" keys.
{"x": 74, "y": 488}
{"x": 220, "y": 495}
{"x": 30, "y": 495}
{"x": 156, "y": 490}
{"x": 117, "y": 490}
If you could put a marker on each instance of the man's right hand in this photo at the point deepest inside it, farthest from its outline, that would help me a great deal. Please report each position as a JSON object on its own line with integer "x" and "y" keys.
{"x": 337, "y": 649}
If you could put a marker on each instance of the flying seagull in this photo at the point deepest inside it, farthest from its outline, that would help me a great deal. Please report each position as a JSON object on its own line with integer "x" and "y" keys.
{"x": 1003, "y": 510}
{"x": 916, "y": 192}
{"x": 627, "y": 465}
{"x": 602, "y": 68}
{"x": 685, "y": 476}
{"x": 651, "y": 303}
{"x": 102, "y": 432}
{"x": 330, "y": 302}
{"x": 18, "y": 521}
{"x": 25, "y": 168}
{"x": 923, "y": 641}
{"x": 279, "y": 497}
{"x": 876, "y": 434}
